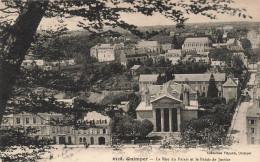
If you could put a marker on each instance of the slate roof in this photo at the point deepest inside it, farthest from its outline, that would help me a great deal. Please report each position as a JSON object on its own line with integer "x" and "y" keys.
{"x": 147, "y": 43}
{"x": 148, "y": 77}
{"x": 229, "y": 83}
{"x": 197, "y": 39}
{"x": 135, "y": 67}
{"x": 219, "y": 77}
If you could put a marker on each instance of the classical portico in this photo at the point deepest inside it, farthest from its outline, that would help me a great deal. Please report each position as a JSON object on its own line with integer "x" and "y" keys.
{"x": 166, "y": 114}
{"x": 166, "y": 106}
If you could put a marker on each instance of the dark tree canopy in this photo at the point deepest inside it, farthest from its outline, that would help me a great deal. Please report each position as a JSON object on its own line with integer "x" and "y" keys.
{"x": 18, "y": 35}
{"x": 212, "y": 89}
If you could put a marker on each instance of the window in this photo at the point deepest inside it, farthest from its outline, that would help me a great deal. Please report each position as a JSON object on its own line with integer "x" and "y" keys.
{"x": 104, "y": 131}
{"x": 84, "y": 139}
{"x": 34, "y": 120}
{"x": 53, "y": 129}
{"x": 252, "y": 130}
{"x": 252, "y": 140}
{"x": 18, "y": 121}
{"x": 68, "y": 129}
{"x": 80, "y": 139}
{"x": 27, "y": 120}
{"x": 252, "y": 122}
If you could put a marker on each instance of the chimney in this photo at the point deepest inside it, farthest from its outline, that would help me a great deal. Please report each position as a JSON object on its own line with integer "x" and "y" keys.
{"x": 147, "y": 98}
{"x": 186, "y": 97}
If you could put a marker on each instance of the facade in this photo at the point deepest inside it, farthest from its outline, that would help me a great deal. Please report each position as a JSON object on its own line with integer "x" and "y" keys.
{"x": 134, "y": 54}
{"x": 173, "y": 55}
{"x": 253, "y": 113}
{"x": 230, "y": 88}
{"x": 199, "y": 44}
{"x": 166, "y": 47}
{"x": 152, "y": 46}
{"x": 167, "y": 105}
{"x": 96, "y": 132}
{"x": 106, "y": 52}
{"x": 200, "y": 82}
{"x": 234, "y": 44}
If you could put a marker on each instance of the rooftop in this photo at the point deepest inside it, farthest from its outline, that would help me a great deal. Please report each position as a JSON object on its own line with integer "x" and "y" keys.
{"x": 197, "y": 39}
{"x": 147, "y": 43}
{"x": 135, "y": 67}
{"x": 148, "y": 77}
{"x": 219, "y": 77}
{"x": 229, "y": 83}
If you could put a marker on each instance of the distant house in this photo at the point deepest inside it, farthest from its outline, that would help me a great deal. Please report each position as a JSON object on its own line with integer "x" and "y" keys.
{"x": 201, "y": 59}
{"x": 131, "y": 53}
{"x": 230, "y": 88}
{"x": 28, "y": 64}
{"x": 152, "y": 46}
{"x": 145, "y": 80}
{"x": 200, "y": 82}
{"x": 218, "y": 63}
{"x": 234, "y": 44}
{"x": 40, "y": 63}
{"x": 106, "y": 52}
{"x": 199, "y": 44}
{"x": 167, "y": 46}
{"x": 227, "y": 28}
{"x": 134, "y": 69}
{"x": 174, "y": 55}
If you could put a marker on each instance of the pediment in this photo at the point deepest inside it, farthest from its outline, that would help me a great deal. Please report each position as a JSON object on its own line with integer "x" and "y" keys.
{"x": 166, "y": 100}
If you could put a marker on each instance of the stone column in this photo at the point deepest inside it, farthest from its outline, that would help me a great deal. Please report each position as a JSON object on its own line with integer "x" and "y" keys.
{"x": 170, "y": 119}
{"x": 162, "y": 120}
{"x": 179, "y": 119}
{"x": 154, "y": 118}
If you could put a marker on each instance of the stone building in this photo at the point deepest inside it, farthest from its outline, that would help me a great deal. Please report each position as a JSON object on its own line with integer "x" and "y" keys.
{"x": 107, "y": 52}
{"x": 200, "y": 82}
{"x": 253, "y": 113}
{"x": 230, "y": 88}
{"x": 94, "y": 128}
{"x": 145, "y": 80}
{"x": 199, "y": 44}
{"x": 152, "y": 46}
{"x": 167, "y": 105}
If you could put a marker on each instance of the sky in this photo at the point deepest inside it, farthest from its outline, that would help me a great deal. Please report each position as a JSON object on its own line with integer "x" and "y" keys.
{"x": 252, "y": 7}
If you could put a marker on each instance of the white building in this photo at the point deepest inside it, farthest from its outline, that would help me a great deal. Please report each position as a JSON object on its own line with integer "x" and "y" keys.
{"x": 173, "y": 55}
{"x": 106, "y": 52}
{"x": 199, "y": 44}
{"x": 152, "y": 46}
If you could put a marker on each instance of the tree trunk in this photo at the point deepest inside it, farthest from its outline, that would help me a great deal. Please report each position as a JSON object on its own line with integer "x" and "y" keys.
{"x": 18, "y": 40}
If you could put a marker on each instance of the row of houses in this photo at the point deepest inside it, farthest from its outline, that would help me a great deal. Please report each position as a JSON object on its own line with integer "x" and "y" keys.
{"x": 96, "y": 131}
{"x": 46, "y": 65}
{"x": 198, "y": 48}
{"x": 253, "y": 111}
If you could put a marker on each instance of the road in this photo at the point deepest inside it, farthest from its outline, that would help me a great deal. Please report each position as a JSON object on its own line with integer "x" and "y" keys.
{"x": 239, "y": 119}
{"x": 239, "y": 128}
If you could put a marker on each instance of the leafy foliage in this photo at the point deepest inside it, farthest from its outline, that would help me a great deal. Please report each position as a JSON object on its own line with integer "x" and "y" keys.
{"x": 210, "y": 129}
{"x": 127, "y": 128}
{"x": 212, "y": 89}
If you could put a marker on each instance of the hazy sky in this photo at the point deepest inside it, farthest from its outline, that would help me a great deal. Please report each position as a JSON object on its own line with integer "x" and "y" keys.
{"x": 252, "y": 6}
